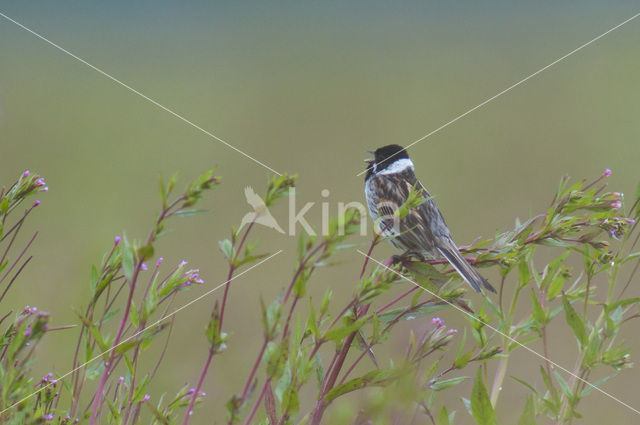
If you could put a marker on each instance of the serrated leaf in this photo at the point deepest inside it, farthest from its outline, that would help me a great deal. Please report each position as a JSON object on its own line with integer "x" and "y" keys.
{"x": 538, "y": 313}
{"x": 481, "y": 408}
{"x": 574, "y": 321}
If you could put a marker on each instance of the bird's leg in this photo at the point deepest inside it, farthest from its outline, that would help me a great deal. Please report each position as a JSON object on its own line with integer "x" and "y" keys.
{"x": 397, "y": 259}
{"x": 405, "y": 257}
{"x": 419, "y": 256}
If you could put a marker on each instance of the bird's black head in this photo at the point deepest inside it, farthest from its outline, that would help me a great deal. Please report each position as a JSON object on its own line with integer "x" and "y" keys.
{"x": 384, "y": 157}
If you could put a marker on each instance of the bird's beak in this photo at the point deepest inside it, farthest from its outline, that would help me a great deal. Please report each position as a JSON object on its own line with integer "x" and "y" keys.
{"x": 372, "y": 152}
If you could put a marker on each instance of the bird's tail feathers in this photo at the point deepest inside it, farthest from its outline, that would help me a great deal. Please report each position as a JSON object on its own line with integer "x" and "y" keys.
{"x": 466, "y": 270}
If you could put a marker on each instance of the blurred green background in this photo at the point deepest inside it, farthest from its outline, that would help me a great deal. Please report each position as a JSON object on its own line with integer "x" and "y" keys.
{"x": 304, "y": 87}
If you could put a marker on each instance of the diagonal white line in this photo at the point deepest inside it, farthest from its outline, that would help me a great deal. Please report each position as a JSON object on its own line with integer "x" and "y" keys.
{"x": 503, "y": 334}
{"x": 144, "y": 329}
{"x": 114, "y": 79}
{"x": 480, "y": 105}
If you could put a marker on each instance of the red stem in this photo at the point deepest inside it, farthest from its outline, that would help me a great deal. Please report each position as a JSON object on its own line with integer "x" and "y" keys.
{"x": 257, "y": 405}
{"x": 198, "y": 386}
{"x": 256, "y": 364}
{"x": 232, "y": 268}
{"x": 97, "y": 400}
{"x": 212, "y": 352}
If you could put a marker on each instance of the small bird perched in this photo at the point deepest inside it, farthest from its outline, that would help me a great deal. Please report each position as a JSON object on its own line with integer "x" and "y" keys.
{"x": 423, "y": 231}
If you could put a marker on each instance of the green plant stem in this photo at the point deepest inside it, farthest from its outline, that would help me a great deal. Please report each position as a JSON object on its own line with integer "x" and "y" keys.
{"x": 565, "y": 408}
{"x": 498, "y": 379}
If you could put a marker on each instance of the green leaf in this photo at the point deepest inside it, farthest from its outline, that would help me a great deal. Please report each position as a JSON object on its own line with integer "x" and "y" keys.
{"x": 123, "y": 347}
{"x": 95, "y": 332}
{"x": 461, "y": 359}
{"x": 564, "y": 387}
{"x": 190, "y": 212}
{"x": 591, "y": 352}
{"x": 447, "y": 383}
{"x": 283, "y": 382}
{"x": 555, "y": 287}
{"x": 555, "y": 268}
{"x": 574, "y": 321}
{"x": 312, "y": 323}
{"x": 553, "y": 405}
{"x": 421, "y": 311}
{"x": 539, "y": 314}
{"x": 589, "y": 388}
{"x": 163, "y": 419}
{"x": 162, "y": 190}
{"x": 319, "y": 369}
{"x": 324, "y": 306}
{"x": 528, "y": 414}
{"x": 94, "y": 277}
{"x": 481, "y": 408}
{"x": 338, "y": 334}
{"x": 426, "y": 275}
{"x": 376, "y": 377}
{"x": 443, "y": 419}
{"x": 134, "y": 314}
{"x": 95, "y": 370}
{"x": 216, "y": 338}
{"x": 523, "y": 272}
{"x": 127, "y": 259}
{"x": 526, "y": 384}
{"x": 141, "y": 389}
{"x": 145, "y": 252}
{"x": 226, "y": 247}
{"x": 4, "y": 205}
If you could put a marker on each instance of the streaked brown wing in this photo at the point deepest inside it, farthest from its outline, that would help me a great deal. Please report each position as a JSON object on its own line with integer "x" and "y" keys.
{"x": 418, "y": 228}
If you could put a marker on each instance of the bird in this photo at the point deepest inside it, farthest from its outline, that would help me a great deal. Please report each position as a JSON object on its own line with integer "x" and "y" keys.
{"x": 390, "y": 177}
{"x": 264, "y": 217}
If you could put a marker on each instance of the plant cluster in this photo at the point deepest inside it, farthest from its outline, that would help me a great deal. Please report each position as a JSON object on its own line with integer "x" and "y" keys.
{"x": 314, "y": 352}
